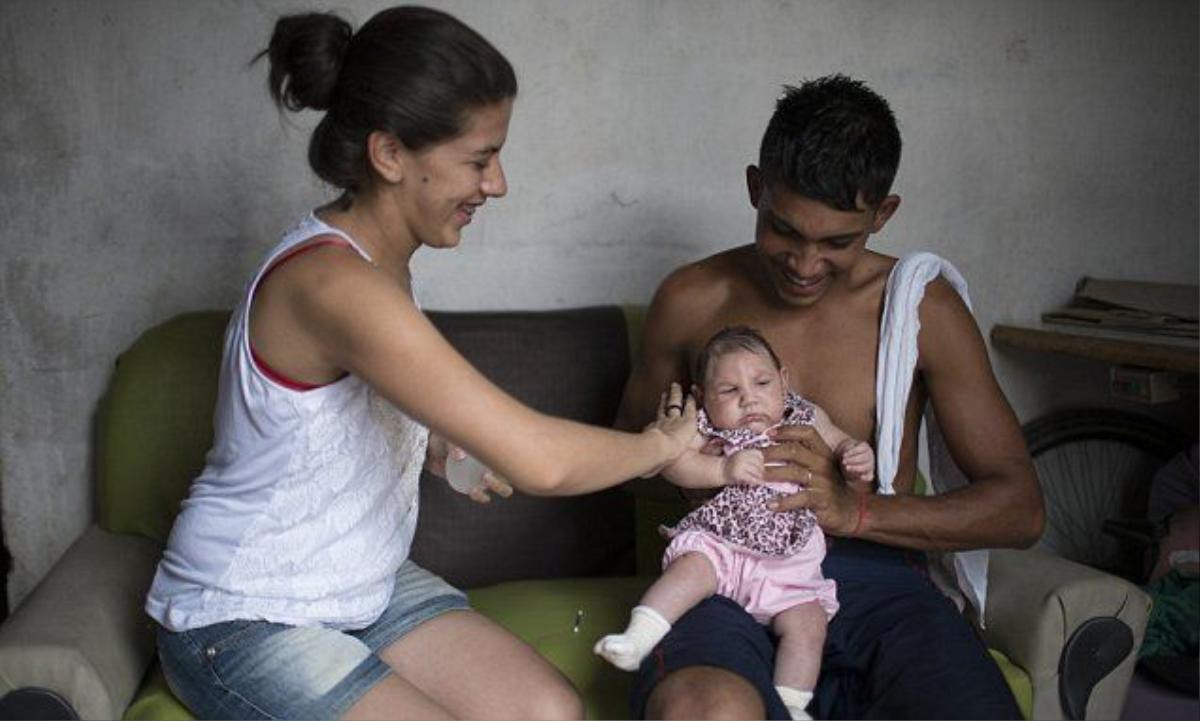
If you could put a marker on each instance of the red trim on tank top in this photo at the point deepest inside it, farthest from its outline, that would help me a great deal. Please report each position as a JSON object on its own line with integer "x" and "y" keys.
{"x": 280, "y": 378}
{"x": 262, "y": 365}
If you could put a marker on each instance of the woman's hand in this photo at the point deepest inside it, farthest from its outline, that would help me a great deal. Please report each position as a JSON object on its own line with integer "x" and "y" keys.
{"x": 676, "y": 420}
{"x": 439, "y": 449}
{"x": 802, "y": 457}
{"x": 436, "y": 453}
{"x": 492, "y": 483}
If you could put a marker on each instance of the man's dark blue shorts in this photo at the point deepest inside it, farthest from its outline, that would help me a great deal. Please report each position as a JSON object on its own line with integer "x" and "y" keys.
{"x": 717, "y": 632}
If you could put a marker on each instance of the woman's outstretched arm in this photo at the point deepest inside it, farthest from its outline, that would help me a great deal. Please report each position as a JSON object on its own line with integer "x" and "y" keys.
{"x": 362, "y": 321}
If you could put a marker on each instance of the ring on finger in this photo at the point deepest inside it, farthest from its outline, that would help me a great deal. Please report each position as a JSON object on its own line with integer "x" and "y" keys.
{"x": 675, "y": 407}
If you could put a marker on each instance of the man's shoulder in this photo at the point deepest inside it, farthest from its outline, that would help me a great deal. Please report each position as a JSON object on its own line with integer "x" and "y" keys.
{"x": 872, "y": 272}
{"x": 696, "y": 298}
{"x": 940, "y": 292}
{"x": 710, "y": 277}
{"x": 729, "y": 263}
{"x": 946, "y": 321}
{"x": 941, "y": 299}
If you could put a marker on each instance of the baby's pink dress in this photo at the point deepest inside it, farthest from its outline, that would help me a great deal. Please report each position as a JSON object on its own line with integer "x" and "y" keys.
{"x": 765, "y": 560}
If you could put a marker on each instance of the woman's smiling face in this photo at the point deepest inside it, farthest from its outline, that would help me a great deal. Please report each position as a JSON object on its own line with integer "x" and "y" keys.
{"x": 446, "y": 183}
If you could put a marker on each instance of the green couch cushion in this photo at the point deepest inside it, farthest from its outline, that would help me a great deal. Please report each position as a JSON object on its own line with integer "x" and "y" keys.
{"x": 635, "y": 320}
{"x": 154, "y": 700}
{"x": 544, "y": 615}
{"x": 1018, "y": 682}
{"x": 155, "y": 423}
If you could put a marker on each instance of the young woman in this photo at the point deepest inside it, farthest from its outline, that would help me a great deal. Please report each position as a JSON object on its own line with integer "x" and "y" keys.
{"x": 285, "y": 590}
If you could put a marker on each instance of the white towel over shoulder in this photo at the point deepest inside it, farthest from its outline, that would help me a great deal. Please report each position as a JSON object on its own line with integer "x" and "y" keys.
{"x": 893, "y": 381}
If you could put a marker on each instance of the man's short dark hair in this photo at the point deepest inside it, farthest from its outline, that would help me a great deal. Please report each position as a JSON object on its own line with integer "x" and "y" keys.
{"x": 832, "y": 139}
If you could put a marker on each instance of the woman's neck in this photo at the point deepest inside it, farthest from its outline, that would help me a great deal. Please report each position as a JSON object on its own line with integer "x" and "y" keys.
{"x": 380, "y": 230}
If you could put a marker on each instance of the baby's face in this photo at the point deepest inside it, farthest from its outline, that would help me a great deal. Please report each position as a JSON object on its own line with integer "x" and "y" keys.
{"x": 744, "y": 389}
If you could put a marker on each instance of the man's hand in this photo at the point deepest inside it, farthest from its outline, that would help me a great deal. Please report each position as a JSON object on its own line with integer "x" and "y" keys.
{"x": 800, "y": 456}
{"x": 744, "y": 467}
{"x": 439, "y": 449}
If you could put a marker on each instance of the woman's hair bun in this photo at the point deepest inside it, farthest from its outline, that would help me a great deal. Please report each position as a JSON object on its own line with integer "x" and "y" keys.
{"x": 414, "y": 72}
{"x": 305, "y": 54}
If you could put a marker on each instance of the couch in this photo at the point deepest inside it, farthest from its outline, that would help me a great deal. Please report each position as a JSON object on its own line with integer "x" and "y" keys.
{"x": 557, "y": 572}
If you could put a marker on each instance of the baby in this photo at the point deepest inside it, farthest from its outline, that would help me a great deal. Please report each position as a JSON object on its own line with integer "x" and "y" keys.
{"x": 768, "y": 562}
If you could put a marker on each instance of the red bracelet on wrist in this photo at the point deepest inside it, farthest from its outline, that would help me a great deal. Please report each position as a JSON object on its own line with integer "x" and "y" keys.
{"x": 862, "y": 514}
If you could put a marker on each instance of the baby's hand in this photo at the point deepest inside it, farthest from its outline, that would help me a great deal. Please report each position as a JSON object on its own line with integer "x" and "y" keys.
{"x": 744, "y": 467}
{"x": 857, "y": 460}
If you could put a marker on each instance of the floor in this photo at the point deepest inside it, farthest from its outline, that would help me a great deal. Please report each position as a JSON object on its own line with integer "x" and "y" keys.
{"x": 1148, "y": 699}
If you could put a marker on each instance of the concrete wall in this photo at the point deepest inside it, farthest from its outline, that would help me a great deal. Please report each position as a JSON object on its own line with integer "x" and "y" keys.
{"x": 145, "y": 171}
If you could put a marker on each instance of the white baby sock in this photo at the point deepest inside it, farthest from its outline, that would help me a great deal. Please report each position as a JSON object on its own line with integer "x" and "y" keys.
{"x": 796, "y": 701}
{"x": 626, "y": 650}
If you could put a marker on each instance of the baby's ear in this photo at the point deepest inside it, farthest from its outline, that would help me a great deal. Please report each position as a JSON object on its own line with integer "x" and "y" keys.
{"x": 697, "y": 393}
{"x": 783, "y": 375}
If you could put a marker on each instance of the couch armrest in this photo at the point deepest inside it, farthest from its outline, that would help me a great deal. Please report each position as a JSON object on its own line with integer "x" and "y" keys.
{"x": 82, "y": 632}
{"x": 1037, "y": 601}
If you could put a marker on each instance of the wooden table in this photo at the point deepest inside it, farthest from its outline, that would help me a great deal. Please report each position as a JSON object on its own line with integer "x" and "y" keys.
{"x": 1181, "y": 355}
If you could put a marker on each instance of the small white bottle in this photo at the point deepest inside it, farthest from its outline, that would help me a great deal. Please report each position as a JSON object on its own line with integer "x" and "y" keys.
{"x": 465, "y": 475}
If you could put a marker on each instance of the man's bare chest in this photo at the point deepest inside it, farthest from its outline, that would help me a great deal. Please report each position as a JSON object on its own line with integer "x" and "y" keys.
{"x": 834, "y": 368}
{"x": 830, "y": 360}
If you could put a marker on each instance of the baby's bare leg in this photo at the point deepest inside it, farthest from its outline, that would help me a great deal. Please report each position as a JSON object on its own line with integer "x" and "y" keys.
{"x": 801, "y": 631}
{"x": 688, "y": 580}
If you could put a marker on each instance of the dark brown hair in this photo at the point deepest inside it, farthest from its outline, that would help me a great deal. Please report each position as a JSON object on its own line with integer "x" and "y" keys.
{"x": 411, "y": 71}
{"x": 832, "y": 139}
{"x": 729, "y": 339}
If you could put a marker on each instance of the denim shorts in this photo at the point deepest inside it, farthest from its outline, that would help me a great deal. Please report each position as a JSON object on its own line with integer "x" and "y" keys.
{"x": 259, "y": 669}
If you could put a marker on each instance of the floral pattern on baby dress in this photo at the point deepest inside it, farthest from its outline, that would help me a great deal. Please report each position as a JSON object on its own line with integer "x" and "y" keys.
{"x": 739, "y": 513}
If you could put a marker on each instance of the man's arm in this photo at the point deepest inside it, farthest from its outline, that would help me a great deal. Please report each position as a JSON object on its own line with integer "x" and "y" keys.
{"x": 662, "y": 360}
{"x": 1001, "y": 507}
{"x": 670, "y": 322}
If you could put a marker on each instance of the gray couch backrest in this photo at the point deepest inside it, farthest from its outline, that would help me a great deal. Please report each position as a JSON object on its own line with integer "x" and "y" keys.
{"x": 570, "y": 363}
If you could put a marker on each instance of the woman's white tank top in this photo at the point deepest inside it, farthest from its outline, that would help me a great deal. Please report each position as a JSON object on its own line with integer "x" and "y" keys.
{"x": 307, "y": 503}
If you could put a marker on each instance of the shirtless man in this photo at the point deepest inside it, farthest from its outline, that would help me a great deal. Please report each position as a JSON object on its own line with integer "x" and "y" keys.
{"x": 897, "y": 648}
